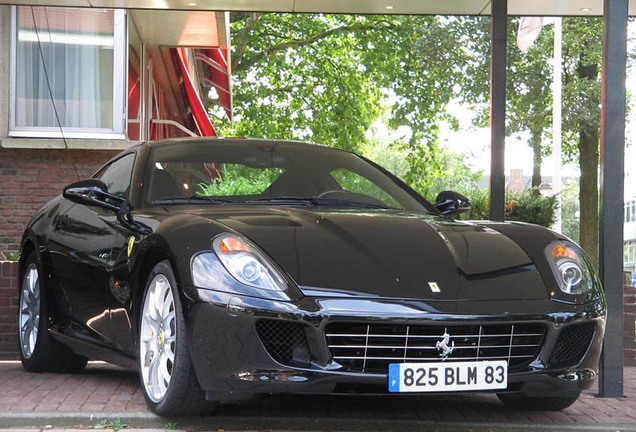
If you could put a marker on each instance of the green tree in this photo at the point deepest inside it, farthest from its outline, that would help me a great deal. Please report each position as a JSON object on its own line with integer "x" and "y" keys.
{"x": 529, "y": 101}
{"x": 570, "y": 211}
{"x": 582, "y": 55}
{"x": 528, "y": 95}
{"x": 327, "y": 78}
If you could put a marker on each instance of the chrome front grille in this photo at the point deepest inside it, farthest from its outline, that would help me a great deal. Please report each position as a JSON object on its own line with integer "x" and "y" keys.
{"x": 372, "y": 347}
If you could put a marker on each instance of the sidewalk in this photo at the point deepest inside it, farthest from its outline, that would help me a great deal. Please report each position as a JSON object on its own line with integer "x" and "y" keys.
{"x": 107, "y": 392}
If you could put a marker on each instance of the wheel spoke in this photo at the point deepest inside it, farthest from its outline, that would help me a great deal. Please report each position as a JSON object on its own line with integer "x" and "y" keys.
{"x": 168, "y": 307}
{"x": 163, "y": 369}
{"x": 152, "y": 310}
{"x": 32, "y": 280}
{"x": 168, "y": 350}
{"x": 167, "y": 320}
{"x": 31, "y": 339}
{"x": 158, "y": 296}
{"x": 152, "y": 323}
{"x": 153, "y": 374}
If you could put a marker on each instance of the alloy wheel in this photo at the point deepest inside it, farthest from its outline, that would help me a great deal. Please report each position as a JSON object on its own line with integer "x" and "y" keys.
{"x": 158, "y": 338}
{"x": 29, "y": 319}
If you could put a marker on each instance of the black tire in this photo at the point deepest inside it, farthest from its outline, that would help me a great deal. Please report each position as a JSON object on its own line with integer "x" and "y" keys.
{"x": 526, "y": 403}
{"x": 183, "y": 396}
{"x": 49, "y": 355}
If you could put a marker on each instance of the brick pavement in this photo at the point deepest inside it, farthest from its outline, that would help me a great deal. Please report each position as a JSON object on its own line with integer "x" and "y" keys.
{"x": 107, "y": 390}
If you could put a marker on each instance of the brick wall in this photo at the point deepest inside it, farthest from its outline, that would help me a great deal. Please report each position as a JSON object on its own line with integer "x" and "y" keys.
{"x": 8, "y": 306}
{"x": 29, "y": 178}
{"x": 629, "y": 326}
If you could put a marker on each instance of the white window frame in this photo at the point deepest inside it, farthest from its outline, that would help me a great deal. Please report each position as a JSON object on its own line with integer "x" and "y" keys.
{"x": 120, "y": 84}
{"x": 630, "y": 252}
{"x": 630, "y": 211}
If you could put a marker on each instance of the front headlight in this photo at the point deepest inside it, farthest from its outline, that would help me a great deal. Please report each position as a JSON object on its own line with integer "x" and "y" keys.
{"x": 242, "y": 260}
{"x": 570, "y": 268}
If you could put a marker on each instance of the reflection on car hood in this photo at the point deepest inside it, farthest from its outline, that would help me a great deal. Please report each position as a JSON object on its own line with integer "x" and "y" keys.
{"x": 387, "y": 253}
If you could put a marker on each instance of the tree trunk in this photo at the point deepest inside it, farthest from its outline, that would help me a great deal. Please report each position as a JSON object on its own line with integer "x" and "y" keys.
{"x": 537, "y": 158}
{"x": 588, "y": 192}
{"x": 588, "y": 164}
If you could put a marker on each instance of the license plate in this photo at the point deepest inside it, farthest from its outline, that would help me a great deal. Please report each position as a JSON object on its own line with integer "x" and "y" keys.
{"x": 448, "y": 376}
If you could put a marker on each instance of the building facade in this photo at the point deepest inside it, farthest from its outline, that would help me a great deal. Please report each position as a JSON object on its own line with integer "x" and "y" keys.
{"x": 79, "y": 85}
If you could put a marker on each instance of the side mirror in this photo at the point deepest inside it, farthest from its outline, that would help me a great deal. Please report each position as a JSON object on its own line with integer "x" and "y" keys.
{"x": 450, "y": 202}
{"x": 92, "y": 192}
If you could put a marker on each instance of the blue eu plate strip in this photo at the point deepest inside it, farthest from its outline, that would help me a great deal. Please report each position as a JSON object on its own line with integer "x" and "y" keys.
{"x": 394, "y": 377}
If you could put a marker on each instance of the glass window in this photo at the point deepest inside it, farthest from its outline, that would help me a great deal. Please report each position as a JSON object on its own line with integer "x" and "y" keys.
{"x": 134, "y": 81}
{"x": 117, "y": 175}
{"x": 68, "y": 71}
{"x": 629, "y": 252}
{"x": 236, "y": 179}
{"x": 356, "y": 184}
{"x": 274, "y": 172}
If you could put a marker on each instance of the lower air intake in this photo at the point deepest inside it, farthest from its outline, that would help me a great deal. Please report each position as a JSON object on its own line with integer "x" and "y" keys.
{"x": 285, "y": 341}
{"x": 572, "y": 344}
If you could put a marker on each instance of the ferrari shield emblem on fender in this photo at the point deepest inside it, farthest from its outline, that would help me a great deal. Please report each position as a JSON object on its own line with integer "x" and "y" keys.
{"x": 434, "y": 287}
{"x": 131, "y": 243}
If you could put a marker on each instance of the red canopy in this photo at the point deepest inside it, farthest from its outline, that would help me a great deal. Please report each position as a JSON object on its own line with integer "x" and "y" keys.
{"x": 199, "y": 112}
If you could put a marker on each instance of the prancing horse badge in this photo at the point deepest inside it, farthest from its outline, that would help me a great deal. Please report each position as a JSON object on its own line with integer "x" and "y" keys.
{"x": 434, "y": 287}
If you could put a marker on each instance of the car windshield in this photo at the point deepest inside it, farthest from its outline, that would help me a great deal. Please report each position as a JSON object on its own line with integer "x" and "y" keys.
{"x": 261, "y": 172}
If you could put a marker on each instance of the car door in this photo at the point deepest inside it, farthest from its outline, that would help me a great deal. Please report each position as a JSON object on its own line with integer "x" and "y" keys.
{"x": 86, "y": 242}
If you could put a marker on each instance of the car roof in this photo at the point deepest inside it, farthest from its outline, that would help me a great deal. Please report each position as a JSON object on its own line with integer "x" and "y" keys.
{"x": 229, "y": 141}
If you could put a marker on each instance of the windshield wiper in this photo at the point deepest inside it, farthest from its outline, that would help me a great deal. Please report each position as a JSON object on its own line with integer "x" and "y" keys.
{"x": 315, "y": 201}
{"x": 193, "y": 198}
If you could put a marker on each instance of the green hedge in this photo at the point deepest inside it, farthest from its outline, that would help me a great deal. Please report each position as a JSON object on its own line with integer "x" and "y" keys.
{"x": 527, "y": 206}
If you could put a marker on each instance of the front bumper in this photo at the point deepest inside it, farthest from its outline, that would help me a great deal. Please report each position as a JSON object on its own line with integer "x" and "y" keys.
{"x": 231, "y": 361}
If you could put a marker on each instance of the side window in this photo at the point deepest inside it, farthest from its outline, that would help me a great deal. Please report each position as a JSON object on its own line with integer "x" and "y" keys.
{"x": 117, "y": 175}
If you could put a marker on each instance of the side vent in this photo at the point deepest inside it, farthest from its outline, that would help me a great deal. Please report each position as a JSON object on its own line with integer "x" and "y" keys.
{"x": 572, "y": 344}
{"x": 285, "y": 341}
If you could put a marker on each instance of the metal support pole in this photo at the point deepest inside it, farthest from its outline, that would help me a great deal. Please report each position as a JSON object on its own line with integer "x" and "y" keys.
{"x": 498, "y": 26}
{"x": 611, "y": 211}
{"x": 557, "y": 90}
{"x": 143, "y": 95}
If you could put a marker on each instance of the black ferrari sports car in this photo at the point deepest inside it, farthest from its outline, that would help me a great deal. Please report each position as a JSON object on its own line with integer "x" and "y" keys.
{"x": 225, "y": 268}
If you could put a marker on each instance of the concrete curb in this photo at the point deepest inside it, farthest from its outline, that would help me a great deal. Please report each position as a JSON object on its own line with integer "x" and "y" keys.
{"x": 53, "y": 421}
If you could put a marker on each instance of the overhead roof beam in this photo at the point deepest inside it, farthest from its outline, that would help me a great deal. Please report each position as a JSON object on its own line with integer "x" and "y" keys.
{"x": 425, "y": 7}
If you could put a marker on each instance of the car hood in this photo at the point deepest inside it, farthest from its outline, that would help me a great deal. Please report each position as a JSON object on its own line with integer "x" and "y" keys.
{"x": 387, "y": 253}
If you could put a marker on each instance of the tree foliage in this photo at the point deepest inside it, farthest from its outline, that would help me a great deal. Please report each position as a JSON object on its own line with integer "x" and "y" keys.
{"x": 528, "y": 103}
{"x": 323, "y": 77}
{"x": 328, "y": 78}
